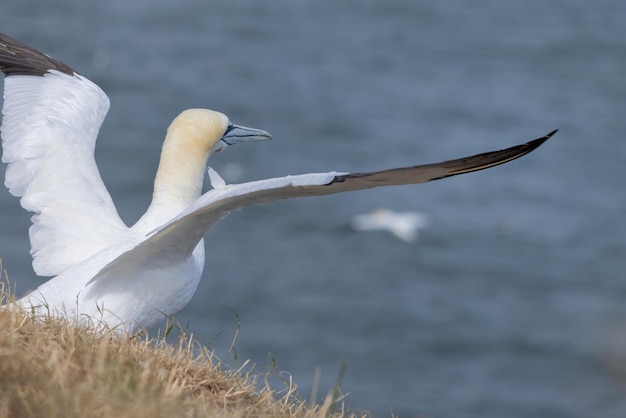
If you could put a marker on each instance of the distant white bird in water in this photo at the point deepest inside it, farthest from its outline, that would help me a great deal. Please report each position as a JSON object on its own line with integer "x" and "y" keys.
{"x": 135, "y": 277}
{"x": 403, "y": 225}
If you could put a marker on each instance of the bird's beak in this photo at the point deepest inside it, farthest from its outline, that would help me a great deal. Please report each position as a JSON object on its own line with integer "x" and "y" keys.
{"x": 236, "y": 134}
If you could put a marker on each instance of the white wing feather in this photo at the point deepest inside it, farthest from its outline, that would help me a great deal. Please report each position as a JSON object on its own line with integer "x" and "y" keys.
{"x": 176, "y": 240}
{"x": 49, "y": 129}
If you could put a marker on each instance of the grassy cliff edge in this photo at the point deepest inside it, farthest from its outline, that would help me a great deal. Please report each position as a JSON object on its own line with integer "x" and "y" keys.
{"x": 51, "y": 367}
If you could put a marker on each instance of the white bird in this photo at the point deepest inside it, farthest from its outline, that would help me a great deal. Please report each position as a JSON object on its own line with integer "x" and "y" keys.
{"x": 128, "y": 278}
{"x": 403, "y": 225}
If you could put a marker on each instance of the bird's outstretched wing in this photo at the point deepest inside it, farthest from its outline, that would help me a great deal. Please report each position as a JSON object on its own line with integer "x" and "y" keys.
{"x": 51, "y": 118}
{"x": 178, "y": 237}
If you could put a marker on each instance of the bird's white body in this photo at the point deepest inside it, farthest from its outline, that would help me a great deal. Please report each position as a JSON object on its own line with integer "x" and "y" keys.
{"x": 103, "y": 271}
{"x": 139, "y": 296}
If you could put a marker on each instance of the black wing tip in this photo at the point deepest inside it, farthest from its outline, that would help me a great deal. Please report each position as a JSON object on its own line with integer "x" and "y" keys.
{"x": 17, "y": 58}
{"x": 535, "y": 143}
{"x": 514, "y": 153}
{"x": 545, "y": 138}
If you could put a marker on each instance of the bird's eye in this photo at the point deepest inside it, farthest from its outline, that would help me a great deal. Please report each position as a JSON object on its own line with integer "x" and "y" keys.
{"x": 230, "y": 128}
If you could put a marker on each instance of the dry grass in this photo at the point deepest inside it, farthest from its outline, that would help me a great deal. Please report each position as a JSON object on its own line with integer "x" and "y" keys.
{"x": 52, "y": 368}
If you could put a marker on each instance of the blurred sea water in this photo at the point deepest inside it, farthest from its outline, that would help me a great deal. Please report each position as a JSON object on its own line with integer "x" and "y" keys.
{"x": 510, "y": 303}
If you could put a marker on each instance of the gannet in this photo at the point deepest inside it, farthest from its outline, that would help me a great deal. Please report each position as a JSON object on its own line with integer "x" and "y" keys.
{"x": 403, "y": 225}
{"x": 103, "y": 272}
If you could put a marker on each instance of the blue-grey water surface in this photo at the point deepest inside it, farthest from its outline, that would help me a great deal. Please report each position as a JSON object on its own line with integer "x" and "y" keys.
{"x": 511, "y": 303}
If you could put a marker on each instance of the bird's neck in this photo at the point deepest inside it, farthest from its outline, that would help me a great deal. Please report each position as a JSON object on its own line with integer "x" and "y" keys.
{"x": 178, "y": 182}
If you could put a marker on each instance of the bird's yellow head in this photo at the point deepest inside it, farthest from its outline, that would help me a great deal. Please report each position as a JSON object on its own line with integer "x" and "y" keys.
{"x": 206, "y": 132}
